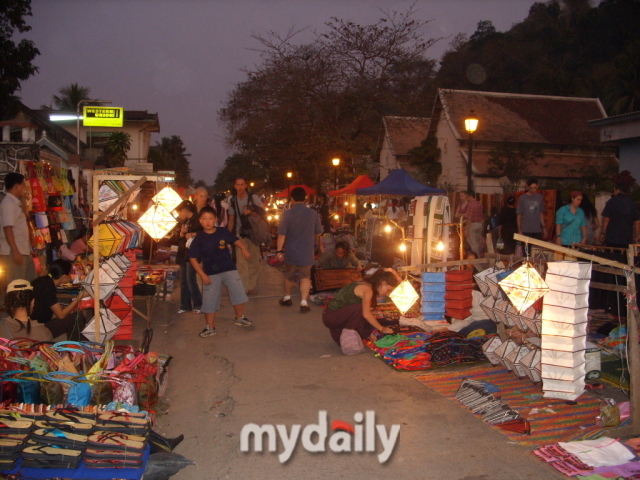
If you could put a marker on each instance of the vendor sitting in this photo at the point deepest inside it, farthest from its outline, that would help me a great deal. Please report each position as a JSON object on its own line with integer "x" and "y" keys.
{"x": 352, "y": 307}
{"x": 340, "y": 257}
{"x": 19, "y": 304}
{"x": 47, "y": 309}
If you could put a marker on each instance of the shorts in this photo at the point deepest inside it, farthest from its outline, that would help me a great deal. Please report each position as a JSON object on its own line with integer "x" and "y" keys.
{"x": 211, "y": 294}
{"x": 290, "y": 271}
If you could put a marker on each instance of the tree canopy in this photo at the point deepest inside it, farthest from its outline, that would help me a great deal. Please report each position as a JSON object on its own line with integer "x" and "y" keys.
{"x": 15, "y": 58}
{"x": 171, "y": 154}
{"x": 566, "y": 48}
{"x": 307, "y": 103}
{"x": 70, "y": 96}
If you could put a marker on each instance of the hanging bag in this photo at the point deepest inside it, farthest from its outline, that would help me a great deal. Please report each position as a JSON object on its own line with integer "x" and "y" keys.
{"x": 38, "y": 203}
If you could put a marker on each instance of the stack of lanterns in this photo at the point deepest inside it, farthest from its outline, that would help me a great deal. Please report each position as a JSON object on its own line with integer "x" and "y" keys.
{"x": 433, "y": 292}
{"x": 564, "y": 329}
{"x": 458, "y": 296}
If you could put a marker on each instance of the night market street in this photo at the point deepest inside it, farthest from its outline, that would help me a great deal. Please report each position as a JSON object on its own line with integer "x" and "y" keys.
{"x": 283, "y": 371}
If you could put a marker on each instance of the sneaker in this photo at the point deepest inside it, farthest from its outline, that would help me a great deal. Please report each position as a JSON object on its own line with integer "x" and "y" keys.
{"x": 182, "y": 310}
{"x": 208, "y": 332}
{"x": 196, "y": 310}
{"x": 243, "y": 322}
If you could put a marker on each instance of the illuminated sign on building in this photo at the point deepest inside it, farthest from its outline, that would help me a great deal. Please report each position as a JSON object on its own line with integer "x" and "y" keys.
{"x": 103, "y": 116}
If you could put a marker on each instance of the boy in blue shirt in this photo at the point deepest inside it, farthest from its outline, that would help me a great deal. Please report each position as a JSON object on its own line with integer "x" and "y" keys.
{"x": 210, "y": 246}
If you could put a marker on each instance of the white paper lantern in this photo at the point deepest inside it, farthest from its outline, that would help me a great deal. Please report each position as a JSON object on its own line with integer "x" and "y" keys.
{"x": 530, "y": 364}
{"x": 107, "y": 283}
{"x": 487, "y": 306}
{"x": 524, "y": 287}
{"x": 489, "y": 348}
{"x": 492, "y": 283}
{"x": 404, "y": 296}
{"x": 505, "y": 349}
{"x": 109, "y": 323}
{"x": 481, "y": 280}
{"x": 157, "y": 221}
{"x": 168, "y": 198}
{"x": 514, "y": 360}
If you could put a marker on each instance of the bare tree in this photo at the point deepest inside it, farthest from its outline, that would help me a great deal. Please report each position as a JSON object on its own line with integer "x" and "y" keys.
{"x": 306, "y": 103}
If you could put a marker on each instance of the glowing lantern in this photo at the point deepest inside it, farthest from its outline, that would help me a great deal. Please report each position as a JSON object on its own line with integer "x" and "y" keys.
{"x": 168, "y": 198}
{"x": 157, "y": 221}
{"x": 404, "y": 296}
{"x": 524, "y": 287}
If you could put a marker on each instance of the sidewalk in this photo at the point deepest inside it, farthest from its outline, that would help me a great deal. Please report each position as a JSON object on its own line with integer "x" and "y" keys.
{"x": 286, "y": 368}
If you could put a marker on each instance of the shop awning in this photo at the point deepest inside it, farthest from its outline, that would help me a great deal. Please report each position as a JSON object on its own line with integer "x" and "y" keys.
{"x": 362, "y": 181}
{"x": 399, "y": 182}
{"x": 285, "y": 193}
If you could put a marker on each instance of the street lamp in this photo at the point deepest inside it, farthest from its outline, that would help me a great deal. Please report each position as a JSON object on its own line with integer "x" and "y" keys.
{"x": 336, "y": 162}
{"x": 78, "y": 120}
{"x": 470, "y": 125}
{"x": 289, "y": 175}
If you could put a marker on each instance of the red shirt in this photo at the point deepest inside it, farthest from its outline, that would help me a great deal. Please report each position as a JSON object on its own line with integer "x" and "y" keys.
{"x": 474, "y": 211}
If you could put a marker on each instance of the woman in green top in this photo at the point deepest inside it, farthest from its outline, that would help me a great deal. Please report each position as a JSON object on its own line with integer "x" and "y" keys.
{"x": 353, "y": 305}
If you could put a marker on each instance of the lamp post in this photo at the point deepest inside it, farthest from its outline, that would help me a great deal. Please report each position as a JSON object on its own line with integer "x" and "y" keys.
{"x": 78, "y": 120}
{"x": 289, "y": 175}
{"x": 470, "y": 125}
{"x": 336, "y": 162}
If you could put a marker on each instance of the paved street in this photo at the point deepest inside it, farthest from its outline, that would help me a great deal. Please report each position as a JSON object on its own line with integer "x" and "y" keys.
{"x": 283, "y": 371}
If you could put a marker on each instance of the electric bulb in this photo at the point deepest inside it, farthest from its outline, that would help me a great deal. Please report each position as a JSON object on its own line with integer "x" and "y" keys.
{"x": 440, "y": 246}
{"x": 387, "y": 228}
{"x": 403, "y": 247}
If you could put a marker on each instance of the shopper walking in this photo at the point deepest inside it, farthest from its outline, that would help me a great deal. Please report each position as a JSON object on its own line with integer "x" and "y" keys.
{"x": 530, "y": 212}
{"x": 297, "y": 233}
{"x": 571, "y": 224}
{"x": 190, "y": 294}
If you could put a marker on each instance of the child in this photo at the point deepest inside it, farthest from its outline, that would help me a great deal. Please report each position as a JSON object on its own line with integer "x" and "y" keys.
{"x": 19, "y": 303}
{"x": 211, "y": 247}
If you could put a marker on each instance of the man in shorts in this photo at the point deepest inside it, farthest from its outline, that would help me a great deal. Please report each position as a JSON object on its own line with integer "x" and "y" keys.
{"x": 297, "y": 232}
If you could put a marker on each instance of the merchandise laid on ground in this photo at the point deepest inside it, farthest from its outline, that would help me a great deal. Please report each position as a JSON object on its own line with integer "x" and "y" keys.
{"x": 78, "y": 409}
{"x": 542, "y": 386}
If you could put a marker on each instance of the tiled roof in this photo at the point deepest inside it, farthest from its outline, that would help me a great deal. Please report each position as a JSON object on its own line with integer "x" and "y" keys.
{"x": 524, "y": 118}
{"x": 405, "y": 133}
{"x": 140, "y": 115}
{"x": 553, "y": 165}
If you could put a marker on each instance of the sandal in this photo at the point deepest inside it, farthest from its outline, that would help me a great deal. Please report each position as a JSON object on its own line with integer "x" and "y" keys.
{"x": 104, "y": 440}
{"x": 124, "y": 418}
{"x": 79, "y": 428}
{"x": 64, "y": 415}
{"x": 58, "y": 437}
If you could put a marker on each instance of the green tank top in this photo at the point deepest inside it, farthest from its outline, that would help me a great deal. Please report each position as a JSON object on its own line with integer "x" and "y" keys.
{"x": 345, "y": 297}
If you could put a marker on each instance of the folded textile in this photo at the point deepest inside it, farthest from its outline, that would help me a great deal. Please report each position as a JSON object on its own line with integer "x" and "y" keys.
{"x": 600, "y": 452}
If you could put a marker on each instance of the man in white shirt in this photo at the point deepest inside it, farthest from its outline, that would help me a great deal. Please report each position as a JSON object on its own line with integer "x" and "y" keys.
{"x": 15, "y": 245}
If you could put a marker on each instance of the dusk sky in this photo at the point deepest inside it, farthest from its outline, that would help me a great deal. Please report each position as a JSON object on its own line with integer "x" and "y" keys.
{"x": 180, "y": 58}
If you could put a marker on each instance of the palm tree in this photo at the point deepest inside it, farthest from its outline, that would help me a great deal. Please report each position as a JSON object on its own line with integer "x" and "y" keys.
{"x": 70, "y": 96}
{"x": 118, "y": 144}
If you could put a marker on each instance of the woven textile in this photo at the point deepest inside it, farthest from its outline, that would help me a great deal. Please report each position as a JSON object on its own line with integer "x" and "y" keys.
{"x": 551, "y": 420}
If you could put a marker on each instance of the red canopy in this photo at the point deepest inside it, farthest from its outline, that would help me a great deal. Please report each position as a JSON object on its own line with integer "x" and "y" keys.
{"x": 362, "y": 181}
{"x": 285, "y": 193}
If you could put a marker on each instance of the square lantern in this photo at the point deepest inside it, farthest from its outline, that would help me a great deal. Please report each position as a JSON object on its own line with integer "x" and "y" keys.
{"x": 487, "y": 306}
{"x": 504, "y": 350}
{"x": 489, "y": 348}
{"x": 481, "y": 280}
{"x": 530, "y": 364}
{"x": 404, "y": 296}
{"x": 157, "y": 221}
{"x": 109, "y": 323}
{"x": 524, "y": 287}
{"x": 168, "y": 198}
{"x": 107, "y": 283}
{"x": 107, "y": 240}
{"x": 492, "y": 283}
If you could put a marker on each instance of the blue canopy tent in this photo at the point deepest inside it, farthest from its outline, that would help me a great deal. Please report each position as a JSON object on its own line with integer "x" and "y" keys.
{"x": 399, "y": 182}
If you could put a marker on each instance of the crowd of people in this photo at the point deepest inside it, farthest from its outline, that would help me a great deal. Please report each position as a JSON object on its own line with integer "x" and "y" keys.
{"x": 217, "y": 247}
{"x": 575, "y": 222}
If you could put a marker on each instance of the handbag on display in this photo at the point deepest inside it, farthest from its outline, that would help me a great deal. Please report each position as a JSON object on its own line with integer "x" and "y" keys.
{"x": 38, "y": 203}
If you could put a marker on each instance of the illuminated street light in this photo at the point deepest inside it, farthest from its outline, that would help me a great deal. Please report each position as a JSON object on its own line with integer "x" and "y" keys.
{"x": 336, "y": 163}
{"x": 470, "y": 125}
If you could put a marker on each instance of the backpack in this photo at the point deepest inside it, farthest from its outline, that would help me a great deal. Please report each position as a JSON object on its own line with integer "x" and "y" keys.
{"x": 253, "y": 227}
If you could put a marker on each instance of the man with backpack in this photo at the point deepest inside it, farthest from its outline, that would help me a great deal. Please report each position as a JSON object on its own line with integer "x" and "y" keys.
{"x": 242, "y": 206}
